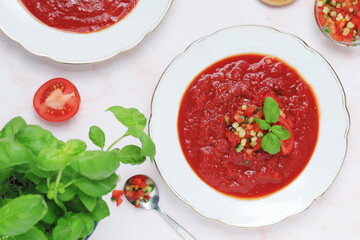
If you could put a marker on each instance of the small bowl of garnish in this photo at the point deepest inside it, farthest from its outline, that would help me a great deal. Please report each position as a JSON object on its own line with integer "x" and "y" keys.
{"x": 339, "y": 20}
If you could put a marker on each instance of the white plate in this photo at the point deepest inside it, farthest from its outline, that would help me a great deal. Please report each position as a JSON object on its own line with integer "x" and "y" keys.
{"x": 66, "y": 47}
{"x": 326, "y": 160}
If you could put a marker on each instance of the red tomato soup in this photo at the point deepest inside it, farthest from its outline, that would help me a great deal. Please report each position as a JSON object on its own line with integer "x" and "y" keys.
{"x": 81, "y": 16}
{"x": 206, "y": 119}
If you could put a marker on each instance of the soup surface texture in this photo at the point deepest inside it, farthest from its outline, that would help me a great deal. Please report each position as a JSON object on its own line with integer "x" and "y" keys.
{"x": 81, "y": 16}
{"x": 212, "y": 99}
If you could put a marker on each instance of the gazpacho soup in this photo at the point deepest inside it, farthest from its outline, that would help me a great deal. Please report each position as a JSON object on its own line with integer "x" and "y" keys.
{"x": 248, "y": 125}
{"x": 81, "y": 16}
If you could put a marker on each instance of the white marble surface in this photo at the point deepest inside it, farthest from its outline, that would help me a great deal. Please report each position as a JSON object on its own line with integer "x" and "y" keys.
{"x": 129, "y": 79}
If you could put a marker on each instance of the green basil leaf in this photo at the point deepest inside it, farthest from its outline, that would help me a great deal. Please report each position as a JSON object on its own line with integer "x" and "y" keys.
{"x": 97, "y": 136}
{"x": 88, "y": 201}
{"x": 13, "y": 153}
{"x": 101, "y": 210}
{"x": 42, "y": 187}
{"x": 36, "y": 138}
{"x": 68, "y": 229}
{"x": 115, "y": 150}
{"x": 21, "y": 214}
{"x": 60, "y": 144}
{"x": 97, "y": 188}
{"x": 264, "y": 125}
{"x": 280, "y": 132}
{"x": 88, "y": 223}
{"x": 74, "y": 147}
{"x": 270, "y": 143}
{"x": 95, "y": 164}
{"x": 51, "y": 215}
{"x": 52, "y": 159}
{"x": 33, "y": 233}
{"x": 38, "y": 172}
{"x": 271, "y": 110}
{"x": 5, "y": 173}
{"x": 130, "y": 117}
{"x": 70, "y": 192}
{"x": 32, "y": 177}
{"x": 21, "y": 168}
{"x": 148, "y": 146}
{"x": 12, "y": 127}
{"x": 131, "y": 154}
{"x": 75, "y": 205}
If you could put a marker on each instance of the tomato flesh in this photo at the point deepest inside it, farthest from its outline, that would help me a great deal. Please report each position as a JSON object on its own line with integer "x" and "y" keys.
{"x": 286, "y": 145}
{"x": 57, "y": 100}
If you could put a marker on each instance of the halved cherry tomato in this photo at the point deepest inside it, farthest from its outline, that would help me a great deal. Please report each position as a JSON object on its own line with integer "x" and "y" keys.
{"x": 57, "y": 100}
{"x": 286, "y": 145}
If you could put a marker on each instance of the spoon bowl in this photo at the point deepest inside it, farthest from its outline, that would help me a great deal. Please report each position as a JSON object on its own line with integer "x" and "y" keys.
{"x": 142, "y": 192}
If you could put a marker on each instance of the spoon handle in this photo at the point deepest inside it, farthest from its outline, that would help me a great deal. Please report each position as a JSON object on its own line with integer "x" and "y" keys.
{"x": 183, "y": 233}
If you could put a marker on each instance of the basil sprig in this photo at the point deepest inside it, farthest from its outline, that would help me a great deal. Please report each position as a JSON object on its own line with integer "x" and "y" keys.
{"x": 52, "y": 189}
{"x": 271, "y": 141}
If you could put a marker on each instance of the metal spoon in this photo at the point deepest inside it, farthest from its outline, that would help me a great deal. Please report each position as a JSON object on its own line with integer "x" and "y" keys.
{"x": 152, "y": 203}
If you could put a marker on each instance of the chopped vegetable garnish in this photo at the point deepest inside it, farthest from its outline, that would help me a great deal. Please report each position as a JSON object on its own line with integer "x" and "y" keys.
{"x": 249, "y": 137}
{"x": 139, "y": 189}
{"x": 339, "y": 18}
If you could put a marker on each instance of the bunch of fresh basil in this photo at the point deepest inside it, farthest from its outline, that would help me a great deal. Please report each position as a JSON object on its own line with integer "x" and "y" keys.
{"x": 50, "y": 189}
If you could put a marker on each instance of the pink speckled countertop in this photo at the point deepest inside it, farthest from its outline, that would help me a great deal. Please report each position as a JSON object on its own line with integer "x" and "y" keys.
{"x": 129, "y": 79}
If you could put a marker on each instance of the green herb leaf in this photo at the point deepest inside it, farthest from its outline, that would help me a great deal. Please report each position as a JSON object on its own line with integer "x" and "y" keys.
{"x": 88, "y": 223}
{"x": 51, "y": 215}
{"x": 52, "y": 159}
{"x": 74, "y": 147}
{"x": 70, "y": 228}
{"x": 280, "y": 132}
{"x": 33, "y": 233}
{"x": 21, "y": 214}
{"x": 97, "y": 136}
{"x": 148, "y": 146}
{"x": 97, "y": 188}
{"x": 88, "y": 201}
{"x": 264, "y": 125}
{"x": 130, "y": 117}
{"x": 36, "y": 138}
{"x": 131, "y": 154}
{"x": 69, "y": 193}
{"x": 13, "y": 153}
{"x": 95, "y": 164}
{"x": 5, "y": 173}
{"x": 270, "y": 143}
{"x": 32, "y": 177}
{"x": 271, "y": 110}
{"x": 101, "y": 210}
{"x": 12, "y": 127}
{"x": 38, "y": 172}
{"x": 42, "y": 187}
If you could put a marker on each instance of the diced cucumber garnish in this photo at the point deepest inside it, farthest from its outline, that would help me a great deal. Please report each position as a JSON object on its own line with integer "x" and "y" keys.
{"x": 239, "y": 148}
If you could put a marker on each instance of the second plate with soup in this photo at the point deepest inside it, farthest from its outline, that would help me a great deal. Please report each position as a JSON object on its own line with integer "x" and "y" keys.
{"x": 75, "y": 38}
{"x": 204, "y": 125}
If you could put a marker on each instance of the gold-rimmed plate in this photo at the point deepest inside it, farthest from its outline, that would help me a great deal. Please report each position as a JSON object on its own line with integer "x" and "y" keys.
{"x": 40, "y": 39}
{"x": 324, "y": 164}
